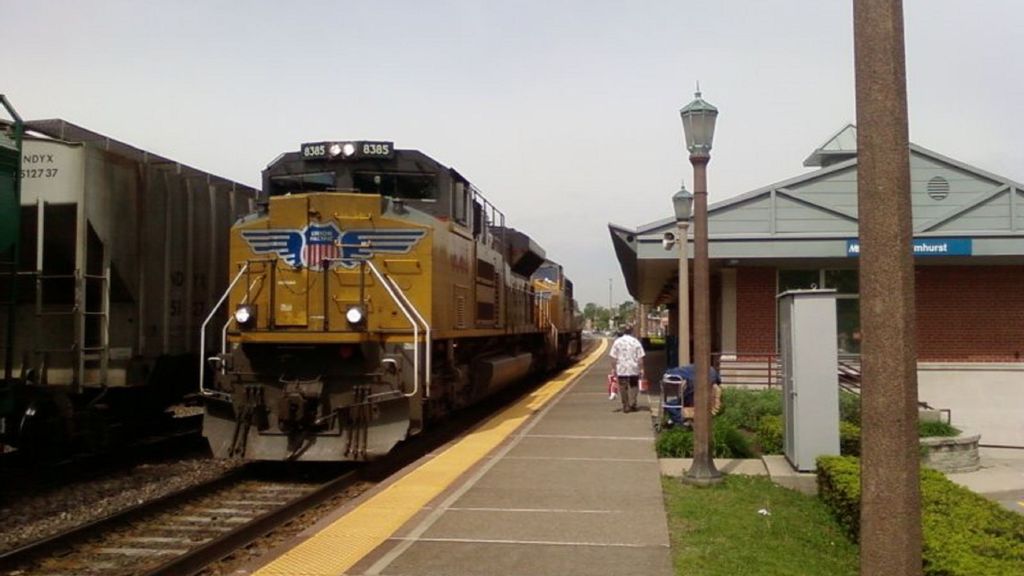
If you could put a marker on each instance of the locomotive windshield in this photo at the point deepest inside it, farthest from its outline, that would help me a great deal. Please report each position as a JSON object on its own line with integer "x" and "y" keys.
{"x": 547, "y": 272}
{"x": 397, "y": 185}
{"x": 410, "y": 186}
{"x": 295, "y": 183}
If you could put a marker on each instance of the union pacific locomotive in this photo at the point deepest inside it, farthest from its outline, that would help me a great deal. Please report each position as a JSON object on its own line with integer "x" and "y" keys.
{"x": 373, "y": 292}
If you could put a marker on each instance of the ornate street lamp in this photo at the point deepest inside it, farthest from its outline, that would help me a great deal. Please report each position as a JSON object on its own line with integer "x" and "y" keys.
{"x": 699, "y": 128}
{"x": 682, "y": 203}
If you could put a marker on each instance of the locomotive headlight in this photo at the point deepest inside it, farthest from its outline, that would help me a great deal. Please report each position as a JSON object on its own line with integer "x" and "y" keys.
{"x": 244, "y": 314}
{"x": 348, "y": 149}
{"x": 355, "y": 315}
{"x": 334, "y": 150}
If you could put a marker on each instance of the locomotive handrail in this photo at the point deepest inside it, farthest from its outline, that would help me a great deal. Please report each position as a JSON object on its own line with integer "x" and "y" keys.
{"x": 202, "y": 334}
{"x": 415, "y": 327}
{"x": 426, "y": 326}
{"x": 231, "y": 318}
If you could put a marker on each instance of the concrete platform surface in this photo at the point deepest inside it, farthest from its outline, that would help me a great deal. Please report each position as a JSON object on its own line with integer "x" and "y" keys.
{"x": 575, "y": 491}
{"x": 743, "y": 466}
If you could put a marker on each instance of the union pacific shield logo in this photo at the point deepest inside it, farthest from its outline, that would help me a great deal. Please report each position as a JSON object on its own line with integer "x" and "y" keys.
{"x": 317, "y": 244}
{"x": 321, "y": 244}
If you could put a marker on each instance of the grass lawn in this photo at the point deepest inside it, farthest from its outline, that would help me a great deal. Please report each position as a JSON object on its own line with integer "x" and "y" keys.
{"x": 718, "y": 530}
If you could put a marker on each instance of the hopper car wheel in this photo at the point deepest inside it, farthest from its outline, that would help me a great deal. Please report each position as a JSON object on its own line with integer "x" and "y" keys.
{"x": 45, "y": 426}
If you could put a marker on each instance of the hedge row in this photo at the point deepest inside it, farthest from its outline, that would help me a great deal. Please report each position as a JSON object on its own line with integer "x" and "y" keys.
{"x": 770, "y": 435}
{"x": 964, "y": 534}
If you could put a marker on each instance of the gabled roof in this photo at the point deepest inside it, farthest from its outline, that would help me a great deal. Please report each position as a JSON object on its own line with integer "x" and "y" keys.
{"x": 840, "y": 146}
{"x": 809, "y": 219}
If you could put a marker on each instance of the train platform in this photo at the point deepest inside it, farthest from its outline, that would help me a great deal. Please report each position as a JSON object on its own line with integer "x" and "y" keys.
{"x": 562, "y": 483}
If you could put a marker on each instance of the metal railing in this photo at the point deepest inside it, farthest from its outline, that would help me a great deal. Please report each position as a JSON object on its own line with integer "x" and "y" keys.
{"x": 408, "y": 309}
{"x": 202, "y": 335}
{"x": 407, "y": 306}
{"x": 757, "y": 369}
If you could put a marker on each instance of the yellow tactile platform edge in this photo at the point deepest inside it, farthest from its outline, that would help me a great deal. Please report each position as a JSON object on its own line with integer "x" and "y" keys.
{"x": 349, "y": 539}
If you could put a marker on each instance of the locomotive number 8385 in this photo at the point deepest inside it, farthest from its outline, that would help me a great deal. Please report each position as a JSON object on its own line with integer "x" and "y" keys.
{"x": 373, "y": 292}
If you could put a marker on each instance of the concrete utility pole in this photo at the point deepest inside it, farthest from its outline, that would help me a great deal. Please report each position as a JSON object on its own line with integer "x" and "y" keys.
{"x": 611, "y": 314}
{"x": 890, "y": 513}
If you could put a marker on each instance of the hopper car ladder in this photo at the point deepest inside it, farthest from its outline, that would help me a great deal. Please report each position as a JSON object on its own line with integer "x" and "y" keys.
{"x": 10, "y": 233}
{"x": 89, "y": 348}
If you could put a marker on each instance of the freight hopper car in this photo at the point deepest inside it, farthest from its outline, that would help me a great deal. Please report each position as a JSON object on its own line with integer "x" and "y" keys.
{"x": 373, "y": 292}
{"x": 121, "y": 254}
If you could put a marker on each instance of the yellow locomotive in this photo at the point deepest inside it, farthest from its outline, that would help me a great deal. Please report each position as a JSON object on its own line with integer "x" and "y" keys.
{"x": 375, "y": 291}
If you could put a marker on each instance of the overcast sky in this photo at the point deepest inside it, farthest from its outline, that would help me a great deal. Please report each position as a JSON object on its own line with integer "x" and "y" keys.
{"x": 564, "y": 113}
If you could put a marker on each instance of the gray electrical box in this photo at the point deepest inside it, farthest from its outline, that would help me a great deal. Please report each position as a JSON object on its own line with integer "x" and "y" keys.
{"x": 810, "y": 390}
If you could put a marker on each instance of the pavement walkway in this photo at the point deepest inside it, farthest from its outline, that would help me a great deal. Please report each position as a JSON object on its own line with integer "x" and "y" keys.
{"x": 565, "y": 483}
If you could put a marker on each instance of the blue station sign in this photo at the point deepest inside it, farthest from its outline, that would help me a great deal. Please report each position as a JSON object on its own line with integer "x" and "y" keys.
{"x": 926, "y": 247}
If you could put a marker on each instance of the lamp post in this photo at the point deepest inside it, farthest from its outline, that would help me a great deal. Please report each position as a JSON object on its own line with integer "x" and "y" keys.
{"x": 699, "y": 129}
{"x": 682, "y": 202}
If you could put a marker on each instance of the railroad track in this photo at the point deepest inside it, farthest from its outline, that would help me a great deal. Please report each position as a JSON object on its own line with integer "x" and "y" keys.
{"x": 177, "y": 534}
{"x": 187, "y": 531}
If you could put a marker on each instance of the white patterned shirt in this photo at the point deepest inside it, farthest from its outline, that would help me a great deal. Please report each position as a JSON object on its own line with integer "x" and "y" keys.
{"x": 627, "y": 352}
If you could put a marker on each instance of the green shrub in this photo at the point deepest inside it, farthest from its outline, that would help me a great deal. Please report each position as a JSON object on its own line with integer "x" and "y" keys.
{"x": 849, "y": 407}
{"x": 727, "y": 442}
{"x": 963, "y": 533}
{"x": 927, "y": 429}
{"x": 839, "y": 487}
{"x": 745, "y": 408}
{"x": 769, "y": 434}
{"x": 849, "y": 435}
{"x": 849, "y": 439}
{"x": 675, "y": 442}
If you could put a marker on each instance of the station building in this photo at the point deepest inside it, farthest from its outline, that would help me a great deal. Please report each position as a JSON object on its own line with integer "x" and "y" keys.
{"x": 801, "y": 232}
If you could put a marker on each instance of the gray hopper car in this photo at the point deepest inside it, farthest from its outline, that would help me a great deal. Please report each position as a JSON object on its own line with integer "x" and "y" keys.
{"x": 122, "y": 255}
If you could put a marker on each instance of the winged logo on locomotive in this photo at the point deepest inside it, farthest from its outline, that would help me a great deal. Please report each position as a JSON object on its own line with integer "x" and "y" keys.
{"x": 315, "y": 244}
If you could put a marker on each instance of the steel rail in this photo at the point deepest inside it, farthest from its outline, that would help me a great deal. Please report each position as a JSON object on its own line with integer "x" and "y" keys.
{"x": 196, "y": 559}
{"x": 51, "y": 544}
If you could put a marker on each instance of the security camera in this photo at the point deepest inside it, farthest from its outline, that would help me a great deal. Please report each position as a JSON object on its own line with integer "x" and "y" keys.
{"x": 668, "y": 240}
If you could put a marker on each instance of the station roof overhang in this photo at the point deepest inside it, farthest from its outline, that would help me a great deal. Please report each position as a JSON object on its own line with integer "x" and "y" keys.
{"x": 961, "y": 216}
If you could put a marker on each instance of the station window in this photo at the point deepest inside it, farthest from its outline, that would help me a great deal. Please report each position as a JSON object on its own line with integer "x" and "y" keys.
{"x": 846, "y": 284}
{"x": 799, "y": 280}
{"x": 843, "y": 281}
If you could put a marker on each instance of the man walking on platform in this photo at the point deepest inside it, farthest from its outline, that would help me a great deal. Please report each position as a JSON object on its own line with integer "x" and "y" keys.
{"x": 627, "y": 364}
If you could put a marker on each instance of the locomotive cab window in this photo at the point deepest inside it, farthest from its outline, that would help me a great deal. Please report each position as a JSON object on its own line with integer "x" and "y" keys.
{"x": 405, "y": 186}
{"x": 460, "y": 204}
{"x": 296, "y": 183}
{"x": 547, "y": 272}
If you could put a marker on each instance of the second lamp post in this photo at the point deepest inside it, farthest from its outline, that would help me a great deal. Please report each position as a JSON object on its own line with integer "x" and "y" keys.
{"x": 699, "y": 129}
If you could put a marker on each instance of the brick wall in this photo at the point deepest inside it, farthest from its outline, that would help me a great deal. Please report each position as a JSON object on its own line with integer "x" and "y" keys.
{"x": 755, "y": 311}
{"x": 970, "y": 313}
{"x": 964, "y": 313}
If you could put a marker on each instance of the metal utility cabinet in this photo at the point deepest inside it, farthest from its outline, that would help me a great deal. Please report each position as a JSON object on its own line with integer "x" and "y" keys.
{"x": 807, "y": 335}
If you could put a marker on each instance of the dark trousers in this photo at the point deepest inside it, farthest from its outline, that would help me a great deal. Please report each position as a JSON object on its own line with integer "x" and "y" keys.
{"x": 628, "y": 386}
